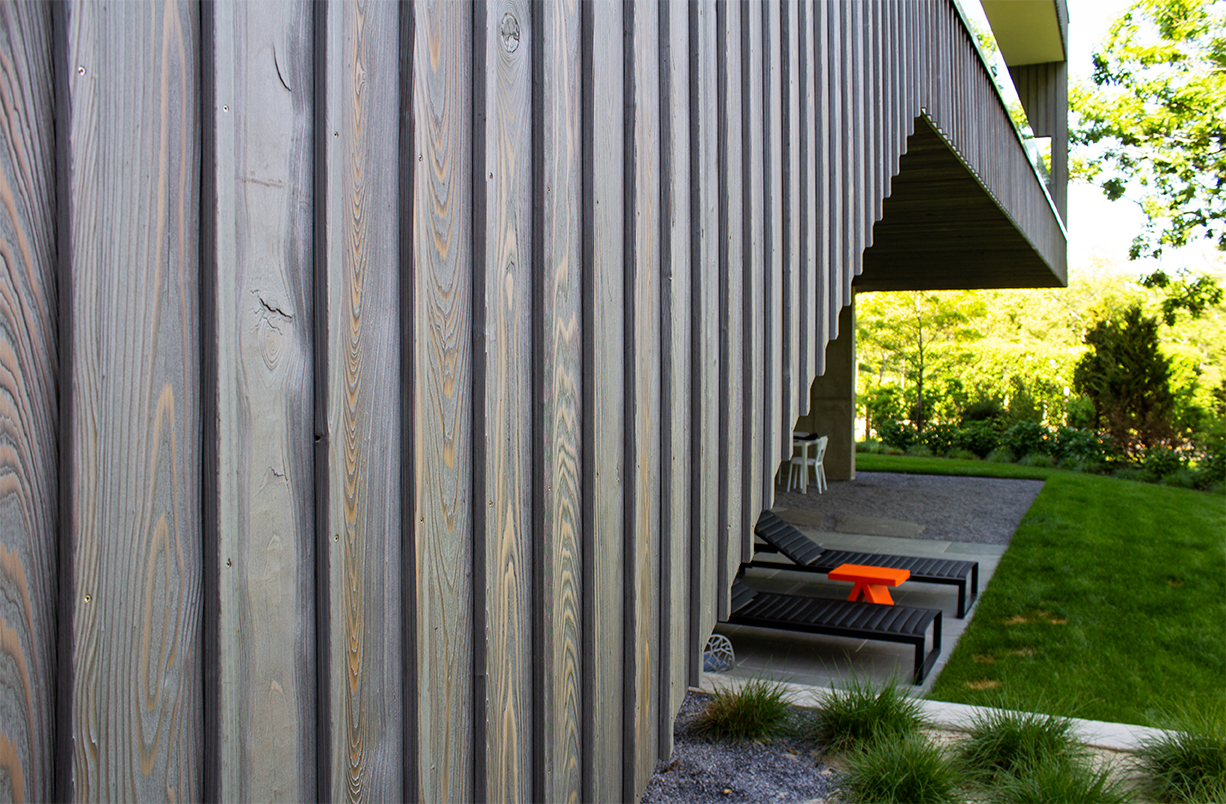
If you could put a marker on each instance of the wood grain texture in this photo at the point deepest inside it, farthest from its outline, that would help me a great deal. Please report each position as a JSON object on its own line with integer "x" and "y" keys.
{"x": 840, "y": 248}
{"x": 792, "y": 384}
{"x": 503, "y": 294}
{"x": 134, "y": 215}
{"x": 603, "y": 600}
{"x": 29, "y": 410}
{"x": 441, "y": 276}
{"x": 822, "y": 166}
{"x": 704, "y": 380}
{"x": 364, "y": 415}
{"x": 676, "y": 471}
{"x": 558, "y": 189}
{"x": 643, "y": 532}
{"x": 774, "y": 393}
{"x": 262, "y": 115}
{"x": 732, "y": 287}
{"x": 808, "y": 206}
{"x": 754, "y": 257}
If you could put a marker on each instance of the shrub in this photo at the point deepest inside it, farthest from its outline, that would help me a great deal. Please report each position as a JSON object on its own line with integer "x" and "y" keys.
{"x": 984, "y": 409}
{"x": 941, "y": 438}
{"x": 1188, "y": 763}
{"x": 1001, "y": 742}
{"x": 1079, "y": 414}
{"x": 755, "y": 711}
{"x": 1037, "y": 459}
{"x": 1079, "y": 464}
{"x": 907, "y": 770}
{"x": 963, "y": 455}
{"x": 1026, "y": 437}
{"x": 1069, "y": 442}
{"x": 870, "y": 445}
{"x": 1023, "y": 407}
{"x": 1001, "y": 455}
{"x": 1134, "y": 473}
{"x": 1180, "y": 478}
{"x": 896, "y": 434}
{"x": 862, "y": 711}
{"x": 1066, "y": 782}
{"x": 919, "y": 451}
{"x": 1162, "y": 461}
{"x": 980, "y": 437}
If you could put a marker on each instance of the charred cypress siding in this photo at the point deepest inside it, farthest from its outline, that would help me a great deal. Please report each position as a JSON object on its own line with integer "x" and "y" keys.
{"x": 411, "y": 375}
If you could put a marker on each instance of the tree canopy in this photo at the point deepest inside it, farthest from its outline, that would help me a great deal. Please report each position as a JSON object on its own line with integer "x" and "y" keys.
{"x": 1152, "y": 125}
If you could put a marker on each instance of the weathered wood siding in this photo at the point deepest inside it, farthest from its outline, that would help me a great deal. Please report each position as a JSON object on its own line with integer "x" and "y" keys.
{"x": 387, "y": 391}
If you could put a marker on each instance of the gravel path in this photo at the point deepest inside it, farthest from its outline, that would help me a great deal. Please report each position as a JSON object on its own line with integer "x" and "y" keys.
{"x": 957, "y": 509}
{"x": 705, "y": 772}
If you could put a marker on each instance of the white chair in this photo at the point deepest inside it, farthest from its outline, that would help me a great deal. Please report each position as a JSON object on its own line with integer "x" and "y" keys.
{"x": 799, "y": 468}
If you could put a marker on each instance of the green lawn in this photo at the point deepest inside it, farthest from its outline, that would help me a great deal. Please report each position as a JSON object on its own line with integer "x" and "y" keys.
{"x": 1109, "y": 604}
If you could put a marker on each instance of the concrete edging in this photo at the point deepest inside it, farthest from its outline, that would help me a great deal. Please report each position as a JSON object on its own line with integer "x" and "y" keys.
{"x": 956, "y": 717}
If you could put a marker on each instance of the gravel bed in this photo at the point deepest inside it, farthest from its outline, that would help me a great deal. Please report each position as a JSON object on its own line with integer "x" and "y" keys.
{"x": 982, "y": 510}
{"x": 701, "y": 771}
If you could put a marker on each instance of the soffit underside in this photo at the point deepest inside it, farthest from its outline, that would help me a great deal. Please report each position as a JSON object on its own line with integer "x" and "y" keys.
{"x": 940, "y": 230}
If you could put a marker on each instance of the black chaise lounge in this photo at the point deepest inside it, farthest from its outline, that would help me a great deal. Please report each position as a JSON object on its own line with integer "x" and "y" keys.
{"x": 845, "y": 618}
{"x": 808, "y": 556}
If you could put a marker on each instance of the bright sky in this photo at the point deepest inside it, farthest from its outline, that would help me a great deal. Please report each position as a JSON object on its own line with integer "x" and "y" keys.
{"x": 1100, "y": 231}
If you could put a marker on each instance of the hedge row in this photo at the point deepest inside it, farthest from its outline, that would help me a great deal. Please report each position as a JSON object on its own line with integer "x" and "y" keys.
{"x": 1198, "y": 466}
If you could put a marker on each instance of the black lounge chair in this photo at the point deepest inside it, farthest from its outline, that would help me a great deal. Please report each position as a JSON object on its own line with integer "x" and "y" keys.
{"x": 808, "y": 556}
{"x": 845, "y": 618}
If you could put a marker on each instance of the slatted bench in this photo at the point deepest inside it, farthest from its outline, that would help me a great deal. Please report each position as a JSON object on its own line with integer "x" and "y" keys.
{"x": 845, "y": 618}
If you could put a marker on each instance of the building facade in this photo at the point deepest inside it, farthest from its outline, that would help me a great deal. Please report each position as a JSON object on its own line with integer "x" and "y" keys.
{"x": 388, "y": 391}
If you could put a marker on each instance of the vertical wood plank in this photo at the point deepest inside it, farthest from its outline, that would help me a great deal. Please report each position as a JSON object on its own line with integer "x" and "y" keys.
{"x": 732, "y": 284}
{"x": 806, "y": 296}
{"x": 643, "y": 393}
{"x": 677, "y": 468}
{"x": 791, "y": 384}
{"x": 822, "y": 169}
{"x": 29, "y": 350}
{"x": 559, "y": 404}
{"x": 261, "y": 114}
{"x": 502, "y": 371}
{"x": 603, "y": 88}
{"x": 754, "y": 255}
{"x": 704, "y": 265}
{"x": 858, "y": 179}
{"x": 133, "y": 174}
{"x": 364, "y": 414}
{"x": 773, "y": 197}
{"x": 840, "y": 167}
{"x": 442, "y": 281}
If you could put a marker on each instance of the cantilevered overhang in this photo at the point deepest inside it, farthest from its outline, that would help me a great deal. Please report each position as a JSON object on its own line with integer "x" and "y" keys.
{"x": 942, "y": 230}
{"x": 1028, "y": 31}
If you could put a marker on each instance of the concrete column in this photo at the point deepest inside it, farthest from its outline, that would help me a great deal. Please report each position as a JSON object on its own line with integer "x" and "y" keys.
{"x": 832, "y": 401}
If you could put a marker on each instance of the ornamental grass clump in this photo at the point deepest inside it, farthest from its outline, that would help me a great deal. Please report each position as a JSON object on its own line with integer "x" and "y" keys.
{"x": 900, "y": 769}
{"x": 1060, "y": 780}
{"x": 1001, "y": 743}
{"x": 1187, "y": 764}
{"x": 755, "y": 711}
{"x": 862, "y": 711}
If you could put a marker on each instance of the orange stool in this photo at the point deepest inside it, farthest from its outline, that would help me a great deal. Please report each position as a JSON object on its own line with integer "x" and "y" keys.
{"x": 870, "y": 581}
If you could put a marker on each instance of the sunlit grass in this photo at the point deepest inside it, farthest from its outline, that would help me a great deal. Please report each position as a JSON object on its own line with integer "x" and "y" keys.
{"x": 1112, "y": 594}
